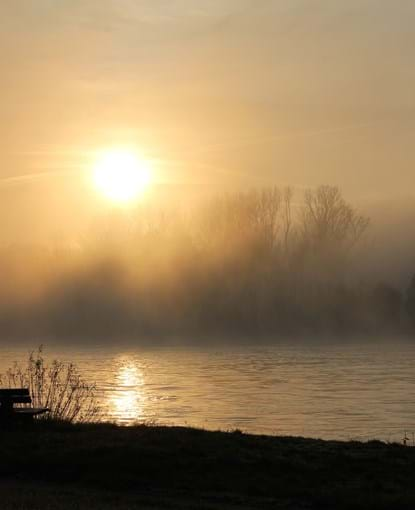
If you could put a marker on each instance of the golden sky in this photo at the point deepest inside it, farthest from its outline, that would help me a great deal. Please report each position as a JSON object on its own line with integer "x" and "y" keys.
{"x": 219, "y": 93}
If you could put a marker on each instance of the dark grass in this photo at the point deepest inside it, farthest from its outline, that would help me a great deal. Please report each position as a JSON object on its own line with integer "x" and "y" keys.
{"x": 52, "y": 465}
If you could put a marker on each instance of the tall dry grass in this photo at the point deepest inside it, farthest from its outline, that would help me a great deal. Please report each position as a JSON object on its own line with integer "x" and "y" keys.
{"x": 56, "y": 385}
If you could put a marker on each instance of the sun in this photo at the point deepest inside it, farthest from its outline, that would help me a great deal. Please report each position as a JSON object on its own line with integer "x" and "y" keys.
{"x": 121, "y": 175}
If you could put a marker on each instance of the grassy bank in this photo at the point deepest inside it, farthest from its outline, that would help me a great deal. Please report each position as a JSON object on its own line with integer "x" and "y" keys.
{"x": 53, "y": 466}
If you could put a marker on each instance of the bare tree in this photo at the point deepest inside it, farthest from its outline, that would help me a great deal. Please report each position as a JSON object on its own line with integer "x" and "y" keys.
{"x": 267, "y": 205}
{"x": 250, "y": 216}
{"x": 327, "y": 219}
{"x": 287, "y": 197}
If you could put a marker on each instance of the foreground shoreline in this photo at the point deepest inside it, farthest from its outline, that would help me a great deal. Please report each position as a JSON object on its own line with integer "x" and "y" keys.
{"x": 61, "y": 466}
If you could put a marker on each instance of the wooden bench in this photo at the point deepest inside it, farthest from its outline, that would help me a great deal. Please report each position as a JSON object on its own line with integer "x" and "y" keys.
{"x": 9, "y": 413}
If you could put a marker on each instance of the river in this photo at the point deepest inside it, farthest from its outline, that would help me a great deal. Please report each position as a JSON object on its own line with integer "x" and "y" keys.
{"x": 353, "y": 391}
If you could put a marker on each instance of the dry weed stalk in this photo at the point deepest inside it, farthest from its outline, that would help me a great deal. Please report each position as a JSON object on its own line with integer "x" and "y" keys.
{"x": 55, "y": 385}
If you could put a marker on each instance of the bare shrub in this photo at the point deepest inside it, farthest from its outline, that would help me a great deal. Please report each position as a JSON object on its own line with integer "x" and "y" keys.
{"x": 55, "y": 385}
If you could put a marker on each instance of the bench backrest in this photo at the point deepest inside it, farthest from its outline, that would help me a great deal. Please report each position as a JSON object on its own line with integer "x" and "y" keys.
{"x": 15, "y": 396}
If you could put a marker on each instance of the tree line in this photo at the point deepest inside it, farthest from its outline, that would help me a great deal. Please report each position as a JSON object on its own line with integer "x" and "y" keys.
{"x": 266, "y": 263}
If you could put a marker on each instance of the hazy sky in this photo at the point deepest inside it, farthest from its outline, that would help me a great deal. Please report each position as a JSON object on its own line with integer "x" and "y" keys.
{"x": 220, "y": 93}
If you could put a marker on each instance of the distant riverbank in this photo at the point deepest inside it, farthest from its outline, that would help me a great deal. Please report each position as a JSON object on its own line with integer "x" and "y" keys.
{"x": 60, "y": 466}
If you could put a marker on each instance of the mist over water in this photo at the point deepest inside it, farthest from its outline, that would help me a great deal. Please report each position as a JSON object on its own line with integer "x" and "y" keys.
{"x": 266, "y": 263}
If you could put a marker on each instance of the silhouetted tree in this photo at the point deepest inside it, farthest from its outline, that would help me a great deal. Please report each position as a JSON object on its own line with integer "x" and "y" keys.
{"x": 328, "y": 219}
{"x": 287, "y": 218}
{"x": 251, "y": 218}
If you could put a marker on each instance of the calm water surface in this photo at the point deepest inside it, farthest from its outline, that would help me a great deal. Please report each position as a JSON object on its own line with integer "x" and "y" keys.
{"x": 317, "y": 391}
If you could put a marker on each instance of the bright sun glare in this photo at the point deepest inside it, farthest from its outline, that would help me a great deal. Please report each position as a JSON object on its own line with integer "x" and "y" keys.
{"x": 121, "y": 175}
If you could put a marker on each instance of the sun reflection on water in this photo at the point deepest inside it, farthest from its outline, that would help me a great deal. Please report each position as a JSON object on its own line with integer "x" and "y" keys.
{"x": 128, "y": 398}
